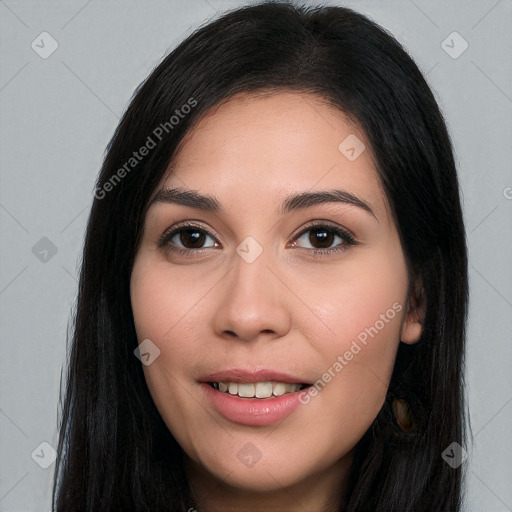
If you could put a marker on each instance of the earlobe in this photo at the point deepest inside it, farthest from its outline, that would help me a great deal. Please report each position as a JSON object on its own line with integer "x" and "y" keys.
{"x": 412, "y": 324}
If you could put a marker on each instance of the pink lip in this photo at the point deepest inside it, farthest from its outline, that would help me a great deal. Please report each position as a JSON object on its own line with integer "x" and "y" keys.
{"x": 252, "y": 375}
{"x": 256, "y": 412}
{"x": 252, "y": 411}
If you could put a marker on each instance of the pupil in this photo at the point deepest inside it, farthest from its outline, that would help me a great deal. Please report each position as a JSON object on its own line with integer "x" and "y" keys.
{"x": 321, "y": 236}
{"x": 191, "y": 236}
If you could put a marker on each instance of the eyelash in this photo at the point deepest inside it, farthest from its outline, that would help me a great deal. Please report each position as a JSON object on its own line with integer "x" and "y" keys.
{"x": 348, "y": 239}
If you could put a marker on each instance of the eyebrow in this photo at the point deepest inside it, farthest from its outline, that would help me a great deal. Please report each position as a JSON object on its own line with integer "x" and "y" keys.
{"x": 298, "y": 201}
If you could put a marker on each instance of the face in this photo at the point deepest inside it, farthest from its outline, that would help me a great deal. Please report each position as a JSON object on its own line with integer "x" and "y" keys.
{"x": 299, "y": 302}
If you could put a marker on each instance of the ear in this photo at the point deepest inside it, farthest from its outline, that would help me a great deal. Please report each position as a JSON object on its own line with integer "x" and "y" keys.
{"x": 412, "y": 324}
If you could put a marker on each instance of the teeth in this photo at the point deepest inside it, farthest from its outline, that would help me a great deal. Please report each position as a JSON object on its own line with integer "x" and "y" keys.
{"x": 263, "y": 390}
{"x": 256, "y": 389}
{"x": 246, "y": 390}
{"x": 279, "y": 389}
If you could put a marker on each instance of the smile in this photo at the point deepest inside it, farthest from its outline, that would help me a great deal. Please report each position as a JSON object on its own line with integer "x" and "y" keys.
{"x": 256, "y": 389}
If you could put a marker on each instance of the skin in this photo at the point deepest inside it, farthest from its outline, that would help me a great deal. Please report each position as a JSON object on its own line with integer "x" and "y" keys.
{"x": 289, "y": 310}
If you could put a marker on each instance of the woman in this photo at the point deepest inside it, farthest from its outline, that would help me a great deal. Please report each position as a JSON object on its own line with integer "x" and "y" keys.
{"x": 273, "y": 296}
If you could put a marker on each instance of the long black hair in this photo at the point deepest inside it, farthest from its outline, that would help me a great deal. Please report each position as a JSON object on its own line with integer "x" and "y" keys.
{"x": 115, "y": 452}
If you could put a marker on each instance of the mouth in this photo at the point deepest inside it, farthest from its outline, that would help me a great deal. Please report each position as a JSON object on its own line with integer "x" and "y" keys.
{"x": 253, "y": 396}
{"x": 258, "y": 389}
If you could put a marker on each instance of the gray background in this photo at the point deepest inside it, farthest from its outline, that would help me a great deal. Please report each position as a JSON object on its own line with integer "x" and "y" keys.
{"x": 57, "y": 115}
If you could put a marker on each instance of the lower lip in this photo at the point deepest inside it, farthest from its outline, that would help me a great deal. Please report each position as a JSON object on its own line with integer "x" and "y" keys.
{"x": 256, "y": 412}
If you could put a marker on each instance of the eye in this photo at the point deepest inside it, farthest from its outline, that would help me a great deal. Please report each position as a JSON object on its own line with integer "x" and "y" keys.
{"x": 186, "y": 238}
{"x": 321, "y": 237}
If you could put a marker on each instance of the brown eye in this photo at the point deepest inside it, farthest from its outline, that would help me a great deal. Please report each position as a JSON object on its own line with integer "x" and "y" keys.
{"x": 322, "y": 238}
{"x": 192, "y": 238}
{"x": 186, "y": 238}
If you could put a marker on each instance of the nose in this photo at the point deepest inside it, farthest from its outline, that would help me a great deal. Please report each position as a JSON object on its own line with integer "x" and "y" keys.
{"x": 254, "y": 301}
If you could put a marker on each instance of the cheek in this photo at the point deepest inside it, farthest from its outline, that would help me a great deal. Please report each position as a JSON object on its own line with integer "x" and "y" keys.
{"x": 363, "y": 299}
{"x": 162, "y": 298}
{"x": 361, "y": 312}
{"x": 148, "y": 297}
{"x": 159, "y": 306}
{"x": 357, "y": 361}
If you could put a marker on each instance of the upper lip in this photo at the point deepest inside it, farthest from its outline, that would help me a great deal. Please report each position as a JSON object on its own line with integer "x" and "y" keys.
{"x": 253, "y": 375}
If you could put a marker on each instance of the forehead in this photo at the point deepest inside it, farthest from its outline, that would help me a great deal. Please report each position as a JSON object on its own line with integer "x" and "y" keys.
{"x": 272, "y": 145}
